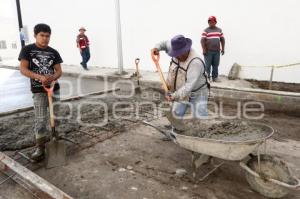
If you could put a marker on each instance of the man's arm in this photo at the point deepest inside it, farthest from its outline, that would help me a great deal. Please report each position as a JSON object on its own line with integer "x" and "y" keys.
{"x": 78, "y": 45}
{"x": 24, "y": 65}
{"x": 222, "y": 39}
{"x": 203, "y": 43}
{"x": 77, "y": 41}
{"x": 58, "y": 72}
{"x": 162, "y": 46}
{"x": 87, "y": 41}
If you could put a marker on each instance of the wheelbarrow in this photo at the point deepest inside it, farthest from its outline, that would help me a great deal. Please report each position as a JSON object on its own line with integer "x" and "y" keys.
{"x": 265, "y": 174}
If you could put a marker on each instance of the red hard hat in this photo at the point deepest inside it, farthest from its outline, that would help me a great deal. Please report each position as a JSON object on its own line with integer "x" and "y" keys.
{"x": 212, "y": 18}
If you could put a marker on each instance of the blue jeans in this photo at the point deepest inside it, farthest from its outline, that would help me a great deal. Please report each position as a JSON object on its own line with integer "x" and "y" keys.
{"x": 212, "y": 60}
{"x": 198, "y": 106}
{"x": 85, "y": 54}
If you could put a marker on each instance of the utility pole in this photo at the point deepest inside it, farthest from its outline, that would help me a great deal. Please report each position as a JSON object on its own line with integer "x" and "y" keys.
{"x": 119, "y": 37}
{"x": 20, "y": 23}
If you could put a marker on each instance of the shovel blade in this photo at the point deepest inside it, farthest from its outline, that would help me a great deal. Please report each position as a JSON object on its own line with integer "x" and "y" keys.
{"x": 138, "y": 90}
{"x": 175, "y": 122}
{"x": 55, "y": 154}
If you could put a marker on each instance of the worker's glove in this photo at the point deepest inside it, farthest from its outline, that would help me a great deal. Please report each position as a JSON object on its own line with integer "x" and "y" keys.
{"x": 170, "y": 97}
{"x": 222, "y": 52}
{"x": 155, "y": 51}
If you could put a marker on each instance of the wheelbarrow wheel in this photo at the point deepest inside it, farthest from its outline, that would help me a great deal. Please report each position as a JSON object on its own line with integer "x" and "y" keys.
{"x": 270, "y": 168}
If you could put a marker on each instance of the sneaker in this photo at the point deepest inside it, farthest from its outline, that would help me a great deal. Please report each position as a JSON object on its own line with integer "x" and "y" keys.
{"x": 168, "y": 126}
{"x": 38, "y": 154}
{"x": 84, "y": 66}
{"x": 166, "y": 139}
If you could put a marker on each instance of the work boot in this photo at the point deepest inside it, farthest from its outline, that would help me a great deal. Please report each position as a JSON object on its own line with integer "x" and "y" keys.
{"x": 168, "y": 126}
{"x": 216, "y": 80}
{"x": 39, "y": 153}
{"x": 166, "y": 139}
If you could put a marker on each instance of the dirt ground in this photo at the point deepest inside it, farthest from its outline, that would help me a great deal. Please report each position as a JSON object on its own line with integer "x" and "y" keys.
{"x": 136, "y": 163}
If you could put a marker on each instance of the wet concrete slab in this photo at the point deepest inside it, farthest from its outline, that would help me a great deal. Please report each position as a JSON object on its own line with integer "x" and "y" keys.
{"x": 15, "y": 89}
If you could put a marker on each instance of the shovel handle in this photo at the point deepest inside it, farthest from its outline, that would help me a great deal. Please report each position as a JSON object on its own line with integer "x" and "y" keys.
{"x": 155, "y": 59}
{"x": 49, "y": 91}
{"x": 50, "y": 88}
{"x": 137, "y": 61}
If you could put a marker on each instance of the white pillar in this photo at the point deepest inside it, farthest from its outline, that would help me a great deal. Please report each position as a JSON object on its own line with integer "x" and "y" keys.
{"x": 119, "y": 37}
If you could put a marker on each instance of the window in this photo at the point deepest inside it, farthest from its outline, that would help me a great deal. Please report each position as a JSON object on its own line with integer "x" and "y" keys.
{"x": 3, "y": 44}
{"x": 14, "y": 46}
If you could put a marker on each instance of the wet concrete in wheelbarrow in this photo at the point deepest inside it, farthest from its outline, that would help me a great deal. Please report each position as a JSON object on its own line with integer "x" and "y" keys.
{"x": 138, "y": 164}
{"x": 237, "y": 131}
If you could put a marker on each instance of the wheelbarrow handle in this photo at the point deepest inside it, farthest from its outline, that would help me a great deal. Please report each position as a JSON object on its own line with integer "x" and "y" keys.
{"x": 297, "y": 186}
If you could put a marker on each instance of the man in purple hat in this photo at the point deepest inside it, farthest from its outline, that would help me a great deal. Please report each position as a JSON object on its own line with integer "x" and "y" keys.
{"x": 187, "y": 80}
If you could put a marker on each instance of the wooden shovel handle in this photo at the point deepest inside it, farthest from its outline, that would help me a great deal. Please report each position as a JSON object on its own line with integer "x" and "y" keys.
{"x": 155, "y": 59}
{"x": 137, "y": 61}
{"x": 50, "y": 101}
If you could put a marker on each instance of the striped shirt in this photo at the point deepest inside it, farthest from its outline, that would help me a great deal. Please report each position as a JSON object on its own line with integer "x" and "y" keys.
{"x": 211, "y": 38}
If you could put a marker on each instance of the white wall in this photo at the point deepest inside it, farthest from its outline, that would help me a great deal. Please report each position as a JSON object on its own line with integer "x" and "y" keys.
{"x": 257, "y": 32}
{"x": 8, "y": 29}
{"x": 65, "y": 17}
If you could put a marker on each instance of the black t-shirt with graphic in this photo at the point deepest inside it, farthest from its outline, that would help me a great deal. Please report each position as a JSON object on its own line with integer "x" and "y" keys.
{"x": 41, "y": 61}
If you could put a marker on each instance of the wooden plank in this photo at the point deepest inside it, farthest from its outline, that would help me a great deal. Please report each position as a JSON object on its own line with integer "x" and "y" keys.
{"x": 37, "y": 185}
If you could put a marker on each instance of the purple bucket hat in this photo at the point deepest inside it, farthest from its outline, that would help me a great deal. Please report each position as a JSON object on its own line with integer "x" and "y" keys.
{"x": 179, "y": 46}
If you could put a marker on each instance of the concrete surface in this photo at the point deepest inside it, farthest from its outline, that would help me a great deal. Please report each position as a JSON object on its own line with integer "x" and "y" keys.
{"x": 230, "y": 91}
{"x": 138, "y": 165}
{"x": 147, "y": 76}
{"x": 15, "y": 89}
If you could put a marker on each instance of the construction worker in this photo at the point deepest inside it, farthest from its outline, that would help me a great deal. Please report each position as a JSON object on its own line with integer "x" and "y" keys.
{"x": 187, "y": 80}
{"x": 210, "y": 42}
{"x": 41, "y": 64}
{"x": 84, "y": 49}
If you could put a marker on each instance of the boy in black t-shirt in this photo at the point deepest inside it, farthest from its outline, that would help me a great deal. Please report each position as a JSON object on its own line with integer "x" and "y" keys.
{"x": 41, "y": 64}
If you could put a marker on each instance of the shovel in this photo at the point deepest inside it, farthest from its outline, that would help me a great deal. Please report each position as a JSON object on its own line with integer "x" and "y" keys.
{"x": 138, "y": 88}
{"x": 155, "y": 59}
{"x": 55, "y": 149}
{"x": 177, "y": 123}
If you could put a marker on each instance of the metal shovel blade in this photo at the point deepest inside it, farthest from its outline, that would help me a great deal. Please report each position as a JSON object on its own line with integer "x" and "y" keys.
{"x": 175, "y": 122}
{"x": 137, "y": 89}
{"x": 55, "y": 154}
